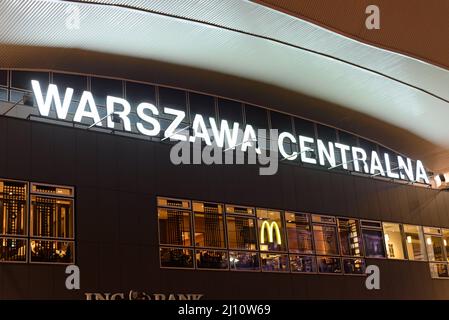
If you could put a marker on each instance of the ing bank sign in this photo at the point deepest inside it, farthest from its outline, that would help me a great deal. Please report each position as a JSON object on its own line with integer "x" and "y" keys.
{"x": 224, "y": 136}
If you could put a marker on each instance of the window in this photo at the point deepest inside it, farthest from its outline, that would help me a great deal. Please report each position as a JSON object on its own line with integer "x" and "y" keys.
{"x": 77, "y": 83}
{"x": 248, "y": 261}
{"x": 176, "y": 257}
{"x": 172, "y": 98}
{"x": 299, "y": 232}
{"x": 209, "y": 227}
{"x": 137, "y": 93}
{"x": 414, "y": 239}
{"x": 439, "y": 270}
{"x": 354, "y": 266}
{"x": 257, "y": 117}
{"x": 329, "y": 265}
{"x": 211, "y": 259}
{"x": 325, "y": 235}
{"x": 231, "y": 111}
{"x": 103, "y": 87}
{"x": 446, "y": 242}
{"x": 350, "y": 237}
{"x": 51, "y": 224}
{"x": 393, "y": 240}
{"x": 303, "y": 264}
{"x": 13, "y": 221}
{"x": 274, "y": 262}
{"x": 270, "y": 230}
{"x": 174, "y": 227}
{"x": 3, "y": 78}
{"x": 373, "y": 239}
{"x": 241, "y": 233}
{"x": 434, "y": 244}
{"x": 307, "y": 129}
{"x": 22, "y": 79}
{"x": 202, "y": 105}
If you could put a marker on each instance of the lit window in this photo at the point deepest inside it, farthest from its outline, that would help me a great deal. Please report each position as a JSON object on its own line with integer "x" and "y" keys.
{"x": 176, "y": 258}
{"x": 303, "y": 264}
{"x": 13, "y": 208}
{"x": 209, "y": 227}
{"x": 274, "y": 262}
{"x": 241, "y": 233}
{"x": 174, "y": 227}
{"x": 354, "y": 266}
{"x": 350, "y": 237}
{"x": 325, "y": 235}
{"x": 373, "y": 239}
{"x": 211, "y": 259}
{"x": 393, "y": 240}
{"x": 446, "y": 242}
{"x": 299, "y": 232}
{"x": 51, "y": 224}
{"x": 434, "y": 244}
{"x": 248, "y": 261}
{"x": 329, "y": 265}
{"x": 439, "y": 270}
{"x": 271, "y": 235}
{"x": 414, "y": 241}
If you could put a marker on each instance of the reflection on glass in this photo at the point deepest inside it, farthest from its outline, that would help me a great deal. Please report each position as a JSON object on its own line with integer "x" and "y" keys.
{"x": 176, "y": 258}
{"x": 299, "y": 232}
{"x": 174, "y": 227}
{"x": 325, "y": 239}
{"x": 211, "y": 259}
{"x": 435, "y": 248}
{"x": 248, "y": 261}
{"x": 274, "y": 262}
{"x": 374, "y": 244}
{"x": 329, "y": 265}
{"x": 241, "y": 233}
{"x": 51, "y": 251}
{"x": 302, "y": 263}
{"x": 354, "y": 266}
{"x": 414, "y": 241}
{"x": 12, "y": 249}
{"x": 393, "y": 241}
{"x": 350, "y": 238}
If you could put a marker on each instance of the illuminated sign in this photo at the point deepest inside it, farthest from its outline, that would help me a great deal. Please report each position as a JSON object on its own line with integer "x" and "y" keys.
{"x": 271, "y": 228}
{"x": 223, "y": 135}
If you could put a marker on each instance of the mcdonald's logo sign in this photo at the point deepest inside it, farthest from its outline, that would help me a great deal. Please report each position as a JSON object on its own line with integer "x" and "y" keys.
{"x": 270, "y": 227}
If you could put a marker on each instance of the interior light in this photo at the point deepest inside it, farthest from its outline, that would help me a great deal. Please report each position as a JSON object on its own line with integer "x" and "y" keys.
{"x": 445, "y": 242}
{"x": 429, "y": 241}
{"x": 409, "y": 239}
{"x": 387, "y": 237}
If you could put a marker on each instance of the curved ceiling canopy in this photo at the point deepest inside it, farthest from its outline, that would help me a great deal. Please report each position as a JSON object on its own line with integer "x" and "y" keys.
{"x": 242, "y": 50}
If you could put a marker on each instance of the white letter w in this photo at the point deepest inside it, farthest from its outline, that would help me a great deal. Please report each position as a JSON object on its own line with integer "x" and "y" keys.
{"x": 52, "y": 95}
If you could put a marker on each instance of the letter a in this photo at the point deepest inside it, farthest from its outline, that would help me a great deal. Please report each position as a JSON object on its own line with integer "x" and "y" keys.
{"x": 373, "y": 280}
{"x": 73, "y": 280}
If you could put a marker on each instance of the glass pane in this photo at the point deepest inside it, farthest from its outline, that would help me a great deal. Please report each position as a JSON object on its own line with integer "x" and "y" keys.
{"x": 174, "y": 227}
{"x": 439, "y": 270}
{"x": 211, "y": 259}
{"x": 209, "y": 228}
{"x": 231, "y": 111}
{"x": 374, "y": 244}
{"x": 241, "y": 233}
{"x": 350, "y": 237}
{"x": 435, "y": 248}
{"x": 175, "y": 203}
{"x": 274, "y": 262}
{"x": 64, "y": 81}
{"x": 354, "y": 266}
{"x": 176, "y": 258}
{"x": 51, "y": 251}
{"x": 3, "y": 78}
{"x": 446, "y": 242}
{"x": 13, "y": 249}
{"x": 257, "y": 117}
{"x": 46, "y": 189}
{"x": 139, "y": 92}
{"x": 299, "y": 232}
{"x": 13, "y": 208}
{"x": 414, "y": 242}
{"x": 329, "y": 265}
{"x": 270, "y": 230}
{"x": 282, "y": 122}
{"x": 102, "y": 87}
{"x": 239, "y": 210}
{"x": 302, "y": 264}
{"x": 326, "y": 134}
{"x": 325, "y": 240}
{"x": 244, "y": 261}
{"x": 51, "y": 217}
{"x": 172, "y": 98}
{"x": 22, "y": 79}
{"x": 393, "y": 241}
{"x": 3, "y": 94}
{"x": 203, "y": 105}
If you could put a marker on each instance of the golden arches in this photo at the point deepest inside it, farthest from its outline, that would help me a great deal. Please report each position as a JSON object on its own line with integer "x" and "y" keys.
{"x": 266, "y": 226}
